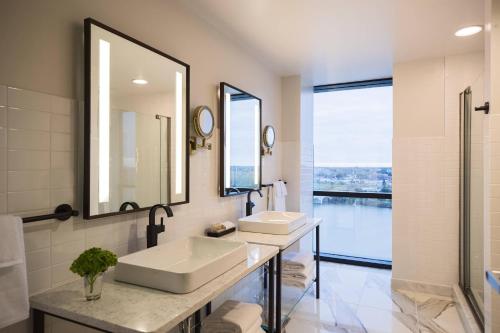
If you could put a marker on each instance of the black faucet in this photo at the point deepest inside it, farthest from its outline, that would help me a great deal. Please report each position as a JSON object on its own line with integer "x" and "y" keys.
{"x": 250, "y": 204}
{"x": 152, "y": 230}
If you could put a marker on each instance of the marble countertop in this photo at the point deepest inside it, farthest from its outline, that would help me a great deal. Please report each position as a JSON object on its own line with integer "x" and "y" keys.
{"x": 281, "y": 241}
{"x": 129, "y": 308}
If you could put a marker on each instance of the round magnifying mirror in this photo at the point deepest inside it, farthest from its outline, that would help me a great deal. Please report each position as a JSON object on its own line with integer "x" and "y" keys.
{"x": 203, "y": 120}
{"x": 269, "y": 136}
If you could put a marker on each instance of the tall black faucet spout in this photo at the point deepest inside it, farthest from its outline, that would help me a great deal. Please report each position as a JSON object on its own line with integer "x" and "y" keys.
{"x": 152, "y": 229}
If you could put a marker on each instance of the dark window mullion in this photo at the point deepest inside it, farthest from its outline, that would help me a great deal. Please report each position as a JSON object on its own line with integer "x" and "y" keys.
{"x": 367, "y": 195}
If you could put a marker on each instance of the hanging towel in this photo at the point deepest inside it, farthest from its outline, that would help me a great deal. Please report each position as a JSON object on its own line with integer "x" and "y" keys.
{"x": 233, "y": 317}
{"x": 296, "y": 261}
{"x": 279, "y": 196}
{"x": 14, "y": 303}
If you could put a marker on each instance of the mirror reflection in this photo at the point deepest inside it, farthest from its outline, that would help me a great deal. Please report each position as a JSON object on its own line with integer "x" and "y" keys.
{"x": 136, "y": 122}
{"x": 240, "y": 132}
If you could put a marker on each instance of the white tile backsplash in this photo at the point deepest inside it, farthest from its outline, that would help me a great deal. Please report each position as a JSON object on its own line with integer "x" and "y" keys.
{"x": 28, "y": 119}
{"x": 3, "y": 116}
{"x": 29, "y": 140}
{"x": 61, "y": 142}
{"x": 38, "y": 259}
{"x": 62, "y": 160}
{"x": 28, "y": 180}
{"x": 60, "y": 123}
{"x": 36, "y": 238}
{"x": 28, "y": 160}
{"x": 3, "y": 95}
{"x": 27, "y": 200}
{"x": 39, "y": 280}
{"x": 35, "y": 181}
{"x": 26, "y": 99}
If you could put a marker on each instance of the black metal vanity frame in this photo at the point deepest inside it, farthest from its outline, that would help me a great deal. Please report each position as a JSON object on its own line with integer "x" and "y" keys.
{"x": 279, "y": 275}
{"x": 88, "y": 22}
{"x": 39, "y": 315}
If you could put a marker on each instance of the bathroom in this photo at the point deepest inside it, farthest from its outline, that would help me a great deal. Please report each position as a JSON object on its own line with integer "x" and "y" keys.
{"x": 281, "y": 55}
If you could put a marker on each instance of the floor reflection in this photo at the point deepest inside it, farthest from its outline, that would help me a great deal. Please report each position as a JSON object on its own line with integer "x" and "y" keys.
{"x": 360, "y": 300}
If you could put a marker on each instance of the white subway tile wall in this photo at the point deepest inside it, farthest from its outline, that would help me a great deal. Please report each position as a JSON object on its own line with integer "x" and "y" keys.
{"x": 492, "y": 232}
{"x": 39, "y": 170}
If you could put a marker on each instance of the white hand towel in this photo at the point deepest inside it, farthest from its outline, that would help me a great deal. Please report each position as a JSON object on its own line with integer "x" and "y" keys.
{"x": 232, "y": 317}
{"x": 297, "y": 260}
{"x": 298, "y": 282}
{"x": 299, "y": 273}
{"x": 256, "y": 328}
{"x": 14, "y": 303}
{"x": 279, "y": 196}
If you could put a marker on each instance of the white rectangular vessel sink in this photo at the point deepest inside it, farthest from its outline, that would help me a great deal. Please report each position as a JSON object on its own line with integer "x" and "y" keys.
{"x": 181, "y": 266}
{"x": 271, "y": 222}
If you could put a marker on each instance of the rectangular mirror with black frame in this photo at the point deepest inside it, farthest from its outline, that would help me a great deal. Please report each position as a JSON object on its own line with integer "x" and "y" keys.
{"x": 240, "y": 128}
{"x": 136, "y": 125}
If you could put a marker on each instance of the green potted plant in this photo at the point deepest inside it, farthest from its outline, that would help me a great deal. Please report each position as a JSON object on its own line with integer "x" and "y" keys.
{"x": 91, "y": 265}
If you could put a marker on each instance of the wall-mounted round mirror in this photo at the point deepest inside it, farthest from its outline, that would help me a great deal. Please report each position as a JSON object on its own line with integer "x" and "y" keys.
{"x": 203, "y": 121}
{"x": 269, "y": 136}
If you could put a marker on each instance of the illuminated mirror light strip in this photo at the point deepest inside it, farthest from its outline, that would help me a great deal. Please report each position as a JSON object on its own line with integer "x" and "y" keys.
{"x": 227, "y": 114}
{"x": 257, "y": 143}
{"x": 178, "y": 132}
{"x": 104, "y": 76}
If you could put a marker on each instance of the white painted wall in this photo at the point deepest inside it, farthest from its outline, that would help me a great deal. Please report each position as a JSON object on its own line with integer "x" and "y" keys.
{"x": 41, "y": 44}
{"x": 426, "y": 165}
{"x": 492, "y": 161}
{"x": 297, "y": 137}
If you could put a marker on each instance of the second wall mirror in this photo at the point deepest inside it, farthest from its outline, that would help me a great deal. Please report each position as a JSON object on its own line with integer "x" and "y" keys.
{"x": 136, "y": 124}
{"x": 240, "y": 155}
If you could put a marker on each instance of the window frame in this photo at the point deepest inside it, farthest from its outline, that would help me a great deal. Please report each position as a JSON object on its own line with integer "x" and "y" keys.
{"x": 345, "y": 259}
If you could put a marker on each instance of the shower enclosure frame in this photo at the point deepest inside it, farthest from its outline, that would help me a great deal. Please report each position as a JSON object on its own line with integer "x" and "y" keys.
{"x": 465, "y": 195}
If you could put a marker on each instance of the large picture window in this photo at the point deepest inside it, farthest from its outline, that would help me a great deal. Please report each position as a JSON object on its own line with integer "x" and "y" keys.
{"x": 353, "y": 170}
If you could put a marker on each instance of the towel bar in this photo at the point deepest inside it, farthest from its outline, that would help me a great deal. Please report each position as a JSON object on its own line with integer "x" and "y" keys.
{"x": 271, "y": 185}
{"x": 62, "y": 213}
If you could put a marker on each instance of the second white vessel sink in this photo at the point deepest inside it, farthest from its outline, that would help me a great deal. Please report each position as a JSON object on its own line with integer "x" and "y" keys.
{"x": 181, "y": 266}
{"x": 272, "y": 222}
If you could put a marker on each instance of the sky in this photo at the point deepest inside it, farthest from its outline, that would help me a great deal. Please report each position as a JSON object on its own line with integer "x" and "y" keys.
{"x": 353, "y": 128}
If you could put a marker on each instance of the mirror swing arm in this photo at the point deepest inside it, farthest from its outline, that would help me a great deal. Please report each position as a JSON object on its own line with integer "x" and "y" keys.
{"x": 203, "y": 130}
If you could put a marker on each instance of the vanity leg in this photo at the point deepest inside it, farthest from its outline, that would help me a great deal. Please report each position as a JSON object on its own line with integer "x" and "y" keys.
{"x": 270, "y": 305}
{"x": 317, "y": 262}
{"x": 38, "y": 321}
{"x": 278, "y": 292}
{"x": 265, "y": 276}
{"x": 197, "y": 321}
{"x": 208, "y": 309}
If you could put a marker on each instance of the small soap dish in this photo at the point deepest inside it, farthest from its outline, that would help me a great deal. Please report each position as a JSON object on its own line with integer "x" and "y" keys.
{"x": 220, "y": 233}
{"x": 221, "y": 229}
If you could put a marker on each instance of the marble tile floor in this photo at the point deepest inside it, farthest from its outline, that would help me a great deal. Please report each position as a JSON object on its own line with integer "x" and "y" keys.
{"x": 360, "y": 300}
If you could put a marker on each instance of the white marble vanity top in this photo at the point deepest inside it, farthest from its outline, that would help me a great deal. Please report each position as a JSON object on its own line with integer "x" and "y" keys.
{"x": 129, "y": 308}
{"x": 281, "y": 241}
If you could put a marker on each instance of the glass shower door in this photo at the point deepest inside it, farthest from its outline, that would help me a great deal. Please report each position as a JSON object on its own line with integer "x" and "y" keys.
{"x": 471, "y": 202}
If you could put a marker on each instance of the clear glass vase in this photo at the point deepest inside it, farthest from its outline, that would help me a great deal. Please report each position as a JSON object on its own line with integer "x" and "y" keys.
{"x": 93, "y": 286}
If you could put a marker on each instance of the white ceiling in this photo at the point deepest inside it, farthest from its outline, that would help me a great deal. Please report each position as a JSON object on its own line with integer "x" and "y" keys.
{"x": 330, "y": 41}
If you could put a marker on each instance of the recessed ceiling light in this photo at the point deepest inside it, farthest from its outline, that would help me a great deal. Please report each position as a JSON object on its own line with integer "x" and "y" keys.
{"x": 468, "y": 31}
{"x": 140, "y": 81}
